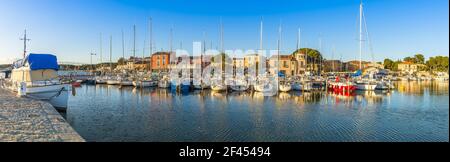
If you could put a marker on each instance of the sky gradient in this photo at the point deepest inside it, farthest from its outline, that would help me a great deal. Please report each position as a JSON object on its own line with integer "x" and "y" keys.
{"x": 71, "y": 28}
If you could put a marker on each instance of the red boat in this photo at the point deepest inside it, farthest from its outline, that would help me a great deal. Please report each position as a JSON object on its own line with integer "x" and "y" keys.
{"x": 339, "y": 86}
{"x": 76, "y": 84}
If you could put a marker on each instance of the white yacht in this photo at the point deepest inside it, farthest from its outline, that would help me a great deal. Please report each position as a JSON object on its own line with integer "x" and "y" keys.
{"x": 239, "y": 85}
{"x": 36, "y": 77}
{"x": 285, "y": 86}
{"x": 112, "y": 81}
{"x": 218, "y": 85}
{"x": 164, "y": 82}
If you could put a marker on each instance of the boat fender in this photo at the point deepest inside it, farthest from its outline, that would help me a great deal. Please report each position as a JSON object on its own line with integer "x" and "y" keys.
{"x": 22, "y": 89}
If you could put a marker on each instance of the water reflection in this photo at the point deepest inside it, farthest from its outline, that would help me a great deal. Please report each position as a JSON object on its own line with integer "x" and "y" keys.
{"x": 415, "y": 111}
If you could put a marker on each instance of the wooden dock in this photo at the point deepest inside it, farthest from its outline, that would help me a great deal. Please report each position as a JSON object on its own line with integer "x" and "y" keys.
{"x": 29, "y": 120}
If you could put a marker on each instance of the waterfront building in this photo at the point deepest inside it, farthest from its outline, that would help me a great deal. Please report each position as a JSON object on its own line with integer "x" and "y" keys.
{"x": 160, "y": 61}
{"x": 300, "y": 58}
{"x": 252, "y": 60}
{"x": 287, "y": 66}
{"x": 409, "y": 67}
{"x": 134, "y": 64}
{"x": 239, "y": 62}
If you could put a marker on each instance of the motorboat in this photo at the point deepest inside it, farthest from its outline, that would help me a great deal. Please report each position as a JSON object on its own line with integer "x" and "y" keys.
{"x": 145, "y": 83}
{"x": 36, "y": 77}
{"x": 125, "y": 82}
{"x": 285, "y": 86}
{"x": 366, "y": 85}
{"x": 296, "y": 86}
{"x": 113, "y": 81}
{"x": 339, "y": 85}
{"x": 100, "y": 80}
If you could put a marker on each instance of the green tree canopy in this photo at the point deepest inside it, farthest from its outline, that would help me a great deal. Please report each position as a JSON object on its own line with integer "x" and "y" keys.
{"x": 438, "y": 63}
{"x": 419, "y": 59}
{"x": 409, "y": 59}
{"x": 121, "y": 61}
{"x": 388, "y": 64}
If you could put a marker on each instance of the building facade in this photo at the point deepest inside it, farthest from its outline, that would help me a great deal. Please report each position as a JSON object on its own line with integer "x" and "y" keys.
{"x": 160, "y": 62}
{"x": 408, "y": 67}
{"x": 287, "y": 65}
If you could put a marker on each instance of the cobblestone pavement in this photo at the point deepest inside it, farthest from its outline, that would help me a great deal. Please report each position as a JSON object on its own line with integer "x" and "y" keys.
{"x": 28, "y": 120}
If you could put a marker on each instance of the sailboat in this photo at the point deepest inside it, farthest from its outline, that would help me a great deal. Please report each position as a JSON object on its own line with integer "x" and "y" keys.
{"x": 239, "y": 84}
{"x": 264, "y": 82}
{"x": 144, "y": 80}
{"x": 363, "y": 84}
{"x": 217, "y": 84}
{"x": 283, "y": 85}
{"x": 112, "y": 80}
{"x": 164, "y": 82}
{"x": 202, "y": 85}
{"x": 101, "y": 79}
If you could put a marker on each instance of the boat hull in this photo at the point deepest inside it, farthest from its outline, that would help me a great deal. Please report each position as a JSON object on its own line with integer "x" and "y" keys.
{"x": 366, "y": 87}
{"x": 56, "y": 95}
{"x": 218, "y": 87}
{"x": 144, "y": 84}
{"x": 285, "y": 88}
{"x": 163, "y": 84}
{"x": 297, "y": 87}
{"x": 99, "y": 81}
{"x": 126, "y": 83}
{"x": 239, "y": 87}
{"x": 112, "y": 82}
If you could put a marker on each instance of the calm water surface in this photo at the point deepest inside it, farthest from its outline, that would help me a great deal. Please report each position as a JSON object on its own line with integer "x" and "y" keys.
{"x": 413, "y": 112}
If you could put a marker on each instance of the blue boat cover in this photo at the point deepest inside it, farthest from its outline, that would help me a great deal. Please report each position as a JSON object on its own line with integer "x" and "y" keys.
{"x": 357, "y": 73}
{"x": 39, "y": 62}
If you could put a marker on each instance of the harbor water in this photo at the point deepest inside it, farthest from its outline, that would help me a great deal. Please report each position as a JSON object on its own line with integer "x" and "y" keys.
{"x": 414, "y": 111}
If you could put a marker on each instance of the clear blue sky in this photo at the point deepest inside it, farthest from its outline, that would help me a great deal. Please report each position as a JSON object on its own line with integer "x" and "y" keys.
{"x": 71, "y": 28}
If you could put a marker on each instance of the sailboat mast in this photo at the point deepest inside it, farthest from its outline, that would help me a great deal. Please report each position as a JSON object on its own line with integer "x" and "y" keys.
{"x": 298, "y": 39}
{"x": 332, "y": 58}
{"x": 261, "y": 36}
{"x": 360, "y": 34}
{"x": 134, "y": 41}
{"x": 110, "y": 53}
{"x": 101, "y": 49}
{"x": 25, "y": 43}
{"x": 170, "y": 39}
{"x": 320, "y": 58}
{"x": 123, "y": 46}
{"x": 298, "y": 49}
{"x": 279, "y": 46}
{"x": 151, "y": 42}
{"x": 201, "y": 54}
{"x": 221, "y": 36}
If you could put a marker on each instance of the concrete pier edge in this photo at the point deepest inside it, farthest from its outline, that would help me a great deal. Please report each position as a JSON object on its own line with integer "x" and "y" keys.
{"x": 28, "y": 120}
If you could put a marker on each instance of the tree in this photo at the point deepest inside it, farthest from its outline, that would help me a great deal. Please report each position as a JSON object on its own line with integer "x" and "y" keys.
{"x": 419, "y": 59}
{"x": 409, "y": 59}
{"x": 388, "y": 64}
{"x": 121, "y": 61}
{"x": 438, "y": 63}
